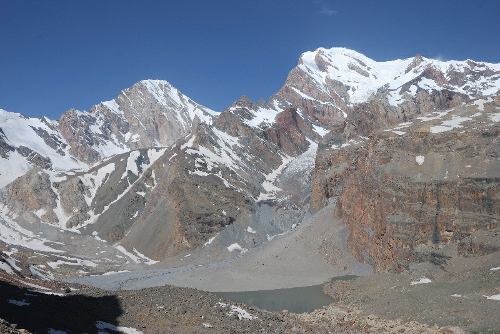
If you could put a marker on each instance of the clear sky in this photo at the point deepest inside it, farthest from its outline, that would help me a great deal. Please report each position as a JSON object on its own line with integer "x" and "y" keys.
{"x": 56, "y": 55}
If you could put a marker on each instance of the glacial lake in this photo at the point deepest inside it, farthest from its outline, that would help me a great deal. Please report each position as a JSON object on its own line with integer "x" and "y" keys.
{"x": 296, "y": 300}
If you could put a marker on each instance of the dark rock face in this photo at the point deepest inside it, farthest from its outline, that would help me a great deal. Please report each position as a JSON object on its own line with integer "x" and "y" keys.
{"x": 75, "y": 129}
{"x": 5, "y": 148}
{"x": 35, "y": 158}
{"x": 289, "y": 132}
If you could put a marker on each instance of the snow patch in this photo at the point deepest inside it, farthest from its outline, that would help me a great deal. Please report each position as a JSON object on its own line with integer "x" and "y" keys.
{"x": 125, "y": 330}
{"x": 420, "y": 159}
{"x": 268, "y": 185}
{"x": 19, "y": 302}
{"x": 188, "y": 144}
{"x": 495, "y": 117}
{"x": 241, "y": 313}
{"x": 146, "y": 259}
{"x": 233, "y": 247}
{"x": 210, "y": 240}
{"x": 480, "y": 103}
{"x": 250, "y": 230}
{"x": 454, "y": 122}
{"x": 422, "y": 281}
{"x": 115, "y": 272}
{"x": 494, "y": 297}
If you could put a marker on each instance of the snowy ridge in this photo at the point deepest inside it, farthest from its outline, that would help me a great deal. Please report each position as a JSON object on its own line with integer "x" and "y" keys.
{"x": 110, "y": 128}
{"x": 25, "y": 136}
{"x": 208, "y": 160}
{"x": 94, "y": 181}
{"x": 170, "y": 96}
{"x": 364, "y": 77}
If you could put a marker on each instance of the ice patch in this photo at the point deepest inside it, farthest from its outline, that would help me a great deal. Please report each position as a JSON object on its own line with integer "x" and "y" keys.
{"x": 497, "y": 268}
{"x": 420, "y": 159}
{"x": 250, "y": 230}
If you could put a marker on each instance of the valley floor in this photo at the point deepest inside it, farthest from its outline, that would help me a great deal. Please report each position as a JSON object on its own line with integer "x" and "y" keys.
{"x": 168, "y": 298}
{"x": 297, "y": 258}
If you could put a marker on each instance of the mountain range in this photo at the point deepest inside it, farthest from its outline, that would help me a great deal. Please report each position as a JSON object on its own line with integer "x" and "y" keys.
{"x": 406, "y": 151}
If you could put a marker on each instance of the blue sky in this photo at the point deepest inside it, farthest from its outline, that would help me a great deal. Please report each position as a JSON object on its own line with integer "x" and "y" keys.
{"x": 56, "y": 55}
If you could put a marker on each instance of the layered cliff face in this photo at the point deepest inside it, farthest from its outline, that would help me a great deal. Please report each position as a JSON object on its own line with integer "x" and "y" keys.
{"x": 421, "y": 191}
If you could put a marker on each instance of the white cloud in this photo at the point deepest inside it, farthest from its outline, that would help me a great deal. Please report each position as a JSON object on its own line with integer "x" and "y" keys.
{"x": 327, "y": 11}
{"x": 325, "y": 8}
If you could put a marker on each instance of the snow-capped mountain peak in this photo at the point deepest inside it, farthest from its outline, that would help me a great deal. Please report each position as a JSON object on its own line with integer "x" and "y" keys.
{"x": 149, "y": 114}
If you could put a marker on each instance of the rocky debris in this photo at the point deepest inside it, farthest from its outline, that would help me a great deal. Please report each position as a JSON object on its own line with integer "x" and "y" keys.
{"x": 441, "y": 298}
{"x": 164, "y": 309}
{"x": 334, "y": 316}
{"x": 169, "y": 309}
{"x": 7, "y": 328}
